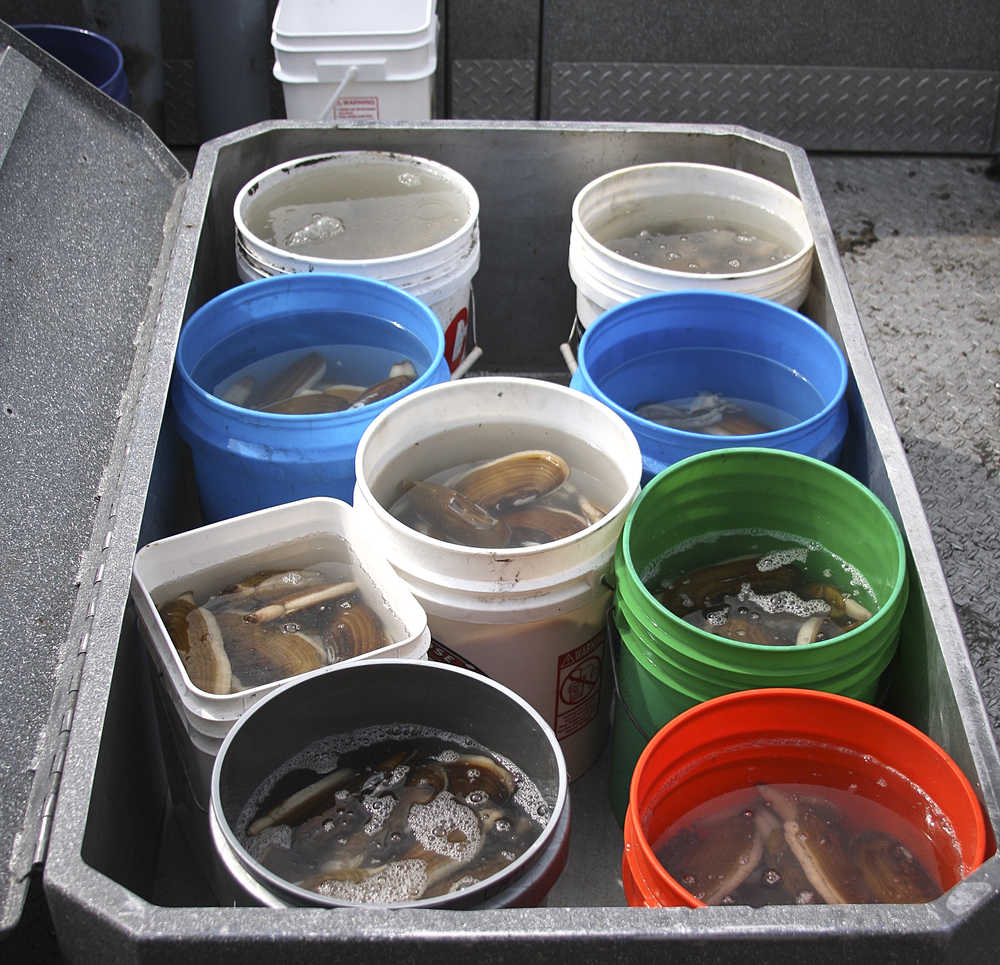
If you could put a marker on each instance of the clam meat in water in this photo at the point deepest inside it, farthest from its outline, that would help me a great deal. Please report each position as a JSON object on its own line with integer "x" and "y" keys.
{"x": 457, "y": 517}
{"x": 396, "y": 820}
{"x": 813, "y": 845}
{"x": 714, "y": 860}
{"x": 521, "y": 499}
{"x": 708, "y": 413}
{"x": 750, "y": 601}
{"x": 513, "y": 480}
{"x": 269, "y": 626}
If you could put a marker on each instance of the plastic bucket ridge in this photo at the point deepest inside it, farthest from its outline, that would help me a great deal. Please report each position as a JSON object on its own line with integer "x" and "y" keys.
{"x": 666, "y": 665}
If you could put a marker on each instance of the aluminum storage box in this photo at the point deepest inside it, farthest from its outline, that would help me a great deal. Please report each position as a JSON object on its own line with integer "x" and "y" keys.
{"x": 125, "y": 870}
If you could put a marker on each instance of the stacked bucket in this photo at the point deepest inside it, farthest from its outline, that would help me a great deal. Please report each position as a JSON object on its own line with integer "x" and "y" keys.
{"x": 343, "y": 61}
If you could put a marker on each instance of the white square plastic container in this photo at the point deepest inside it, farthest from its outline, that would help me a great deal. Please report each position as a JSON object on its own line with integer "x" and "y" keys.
{"x": 204, "y": 560}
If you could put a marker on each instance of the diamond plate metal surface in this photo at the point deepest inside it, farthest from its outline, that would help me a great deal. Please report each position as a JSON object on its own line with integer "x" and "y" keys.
{"x": 493, "y": 89}
{"x": 920, "y": 238}
{"x": 180, "y": 103}
{"x": 819, "y": 108}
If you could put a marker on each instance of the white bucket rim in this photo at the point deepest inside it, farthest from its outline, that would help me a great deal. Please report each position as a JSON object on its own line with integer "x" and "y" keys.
{"x": 589, "y": 242}
{"x": 440, "y": 249}
{"x": 370, "y": 43}
{"x": 481, "y": 553}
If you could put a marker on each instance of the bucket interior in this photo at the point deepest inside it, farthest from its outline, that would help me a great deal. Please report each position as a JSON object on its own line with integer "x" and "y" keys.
{"x": 383, "y": 695}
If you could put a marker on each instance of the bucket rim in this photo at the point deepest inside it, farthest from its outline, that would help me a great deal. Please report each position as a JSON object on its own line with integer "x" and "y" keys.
{"x": 761, "y": 439}
{"x": 251, "y": 290}
{"x": 486, "y": 885}
{"x": 287, "y": 168}
{"x": 386, "y": 519}
{"x": 636, "y": 837}
{"x": 897, "y": 595}
{"x": 589, "y": 242}
{"x": 65, "y": 30}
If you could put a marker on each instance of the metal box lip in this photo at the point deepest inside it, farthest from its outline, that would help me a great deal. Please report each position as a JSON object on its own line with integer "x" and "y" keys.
{"x": 597, "y": 931}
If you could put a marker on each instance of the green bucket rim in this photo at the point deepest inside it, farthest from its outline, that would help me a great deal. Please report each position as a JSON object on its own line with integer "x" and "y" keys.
{"x": 717, "y": 455}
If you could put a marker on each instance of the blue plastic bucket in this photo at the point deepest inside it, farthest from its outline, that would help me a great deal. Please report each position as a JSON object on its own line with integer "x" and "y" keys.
{"x": 675, "y": 345}
{"x": 92, "y": 56}
{"x": 245, "y": 460}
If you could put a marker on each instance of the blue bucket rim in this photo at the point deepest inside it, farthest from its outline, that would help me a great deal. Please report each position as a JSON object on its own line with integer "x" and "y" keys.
{"x": 70, "y": 31}
{"x": 302, "y": 280}
{"x": 756, "y": 439}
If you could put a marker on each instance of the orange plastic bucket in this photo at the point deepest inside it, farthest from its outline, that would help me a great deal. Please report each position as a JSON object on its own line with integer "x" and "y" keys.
{"x": 785, "y": 735}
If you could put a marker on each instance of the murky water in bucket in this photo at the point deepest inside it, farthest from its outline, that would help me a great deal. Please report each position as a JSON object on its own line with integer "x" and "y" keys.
{"x": 371, "y": 209}
{"x": 390, "y": 814}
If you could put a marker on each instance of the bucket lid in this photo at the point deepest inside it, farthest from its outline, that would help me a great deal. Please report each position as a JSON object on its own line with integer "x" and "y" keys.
{"x": 347, "y": 19}
{"x": 71, "y": 420}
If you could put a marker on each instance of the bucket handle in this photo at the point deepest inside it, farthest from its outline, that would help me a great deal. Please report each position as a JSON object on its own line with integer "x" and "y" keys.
{"x": 344, "y": 81}
{"x": 614, "y": 643}
{"x": 567, "y": 347}
{"x": 477, "y": 350}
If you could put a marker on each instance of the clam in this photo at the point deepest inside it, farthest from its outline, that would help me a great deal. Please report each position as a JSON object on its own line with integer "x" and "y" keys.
{"x": 891, "y": 871}
{"x": 737, "y": 423}
{"x": 301, "y": 599}
{"x": 715, "y": 860}
{"x": 542, "y": 524}
{"x": 304, "y": 802}
{"x": 174, "y": 614}
{"x": 346, "y": 392}
{"x": 709, "y": 585}
{"x": 743, "y": 630}
{"x": 476, "y": 779}
{"x": 261, "y": 655}
{"x": 239, "y": 391}
{"x": 308, "y": 403}
{"x": 301, "y": 374}
{"x": 841, "y": 607}
{"x": 400, "y": 376}
{"x": 265, "y": 586}
{"x": 781, "y": 872}
{"x": 195, "y": 633}
{"x": 514, "y": 479}
{"x": 816, "y": 840}
{"x": 353, "y": 630}
{"x": 455, "y": 517}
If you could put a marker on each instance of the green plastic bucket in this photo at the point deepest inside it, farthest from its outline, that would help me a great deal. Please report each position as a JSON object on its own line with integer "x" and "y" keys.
{"x": 752, "y": 502}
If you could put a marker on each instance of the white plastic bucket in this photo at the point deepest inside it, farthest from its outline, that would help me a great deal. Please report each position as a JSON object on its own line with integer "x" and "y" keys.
{"x": 227, "y": 551}
{"x": 605, "y": 278}
{"x": 346, "y": 61}
{"x": 440, "y": 274}
{"x": 531, "y": 618}
{"x": 358, "y": 86}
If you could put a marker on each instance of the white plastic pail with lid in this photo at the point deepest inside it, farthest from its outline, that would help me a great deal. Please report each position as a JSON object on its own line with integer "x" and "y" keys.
{"x": 423, "y": 238}
{"x": 531, "y": 618}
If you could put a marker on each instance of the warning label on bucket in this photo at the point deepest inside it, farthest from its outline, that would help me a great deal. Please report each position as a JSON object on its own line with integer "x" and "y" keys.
{"x": 356, "y": 109}
{"x": 454, "y": 339}
{"x": 578, "y": 687}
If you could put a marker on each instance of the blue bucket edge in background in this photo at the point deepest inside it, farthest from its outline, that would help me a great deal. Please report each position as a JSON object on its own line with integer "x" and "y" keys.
{"x": 245, "y": 459}
{"x": 96, "y": 58}
{"x": 821, "y": 435}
